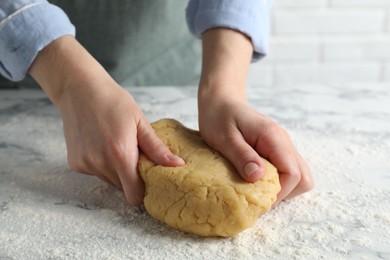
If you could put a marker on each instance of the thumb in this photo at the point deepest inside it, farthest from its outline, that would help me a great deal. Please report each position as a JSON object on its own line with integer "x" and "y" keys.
{"x": 154, "y": 148}
{"x": 244, "y": 158}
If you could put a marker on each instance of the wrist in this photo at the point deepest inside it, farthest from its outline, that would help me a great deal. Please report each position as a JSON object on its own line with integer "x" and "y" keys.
{"x": 226, "y": 58}
{"x": 64, "y": 65}
{"x": 221, "y": 92}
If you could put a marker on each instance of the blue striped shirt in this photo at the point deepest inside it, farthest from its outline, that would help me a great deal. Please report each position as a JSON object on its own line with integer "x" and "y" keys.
{"x": 27, "y": 26}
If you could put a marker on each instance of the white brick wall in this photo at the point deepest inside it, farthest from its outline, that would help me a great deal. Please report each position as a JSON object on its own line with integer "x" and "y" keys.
{"x": 386, "y": 72}
{"x": 326, "y": 41}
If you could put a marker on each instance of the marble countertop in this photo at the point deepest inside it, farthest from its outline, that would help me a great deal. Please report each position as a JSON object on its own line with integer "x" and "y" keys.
{"x": 47, "y": 211}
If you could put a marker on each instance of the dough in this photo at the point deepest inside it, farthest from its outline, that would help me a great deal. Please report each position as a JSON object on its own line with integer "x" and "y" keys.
{"x": 206, "y": 196}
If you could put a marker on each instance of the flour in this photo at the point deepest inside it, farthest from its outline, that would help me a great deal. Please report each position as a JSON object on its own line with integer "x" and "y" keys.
{"x": 49, "y": 212}
{"x": 60, "y": 214}
{"x": 105, "y": 227}
{"x": 383, "y": 217}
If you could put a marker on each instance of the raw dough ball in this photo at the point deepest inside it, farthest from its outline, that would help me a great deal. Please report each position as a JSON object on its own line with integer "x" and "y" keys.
{"x": 206, "y": 196}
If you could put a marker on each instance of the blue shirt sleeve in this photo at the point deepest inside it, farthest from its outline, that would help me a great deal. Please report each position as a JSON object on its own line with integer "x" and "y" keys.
{"x": 26, "y": 27}
{"x": 250, "y": 17}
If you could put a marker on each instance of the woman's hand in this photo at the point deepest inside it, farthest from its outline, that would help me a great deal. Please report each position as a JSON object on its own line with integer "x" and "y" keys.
{"x": 103, "y": 133}
{"x": 103, "y": 126}
{"x": 242, "y": 135}
{"x": 232, "y": 127}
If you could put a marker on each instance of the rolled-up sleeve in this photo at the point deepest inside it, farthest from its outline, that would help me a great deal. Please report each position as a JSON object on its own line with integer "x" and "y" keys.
{"x": 26, "y": 27}
{"x": 250, "y": 17}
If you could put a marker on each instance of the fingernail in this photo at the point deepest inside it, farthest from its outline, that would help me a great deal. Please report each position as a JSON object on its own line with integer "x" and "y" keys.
{"x": 175, "y": 158}
{"x": 250, "y": 168}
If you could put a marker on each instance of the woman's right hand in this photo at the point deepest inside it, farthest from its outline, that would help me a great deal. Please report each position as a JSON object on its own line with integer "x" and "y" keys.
{"x": 103, "y": 133}
{"x": 103, "y": 126}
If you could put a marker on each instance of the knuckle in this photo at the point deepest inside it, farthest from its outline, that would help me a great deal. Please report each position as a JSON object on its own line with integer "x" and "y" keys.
{"x": 307, "y": 180}
{"x": 243, "y": 156}
{"x": 240, "y": 154}
{"x": 271, "y": 125}
{"x": 157, "y": 148}
{"x": 295, "y": 175}
{"x": 274, "y": 128}
{"x": 281, "y": 131}
{"x": 307, "y": 184}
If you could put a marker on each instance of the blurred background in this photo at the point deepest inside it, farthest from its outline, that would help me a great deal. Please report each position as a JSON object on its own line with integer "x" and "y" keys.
{"x": 148, "y": 43}
{"x": 326, "y": 41}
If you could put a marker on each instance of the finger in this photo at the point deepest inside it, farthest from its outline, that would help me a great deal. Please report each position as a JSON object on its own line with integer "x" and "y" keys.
{"x": 97, "y": 166}
{"x": 111, "y": 178}
{"x": 119, "y": 186}
{"x": 126, "y": 167}
{"x": 244, "y": 158}
{"x": 154, "y": 148}
{"x": 306, "y": 182}
{"x": 289, "y": 172}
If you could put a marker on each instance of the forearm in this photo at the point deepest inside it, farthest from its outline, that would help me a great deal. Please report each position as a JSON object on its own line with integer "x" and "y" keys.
{"x": 65, "y": 64}
{"x": 226, "y": 58}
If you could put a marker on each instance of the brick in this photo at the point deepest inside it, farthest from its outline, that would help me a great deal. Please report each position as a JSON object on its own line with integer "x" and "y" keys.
{"x": 356, "y": 3}
{"x": 260, "y": 74}
{"x": 328, "y": 21}
{"x": 357, "y": 48}
{"x": 299, "y": 3}
{"x": 327, "y": 73}
{"x": 286, "y": 49}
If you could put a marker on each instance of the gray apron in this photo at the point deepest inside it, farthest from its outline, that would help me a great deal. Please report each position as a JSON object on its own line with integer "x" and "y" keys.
{"x": 139, "y": 42}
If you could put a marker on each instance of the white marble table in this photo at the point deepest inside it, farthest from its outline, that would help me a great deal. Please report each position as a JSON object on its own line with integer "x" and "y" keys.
{"x": 47, "y": 211}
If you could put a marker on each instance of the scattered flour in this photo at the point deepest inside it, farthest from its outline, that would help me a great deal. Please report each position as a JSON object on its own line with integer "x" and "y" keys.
{"x": 48, "y": 212}
{"x": 95, "y": 222}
